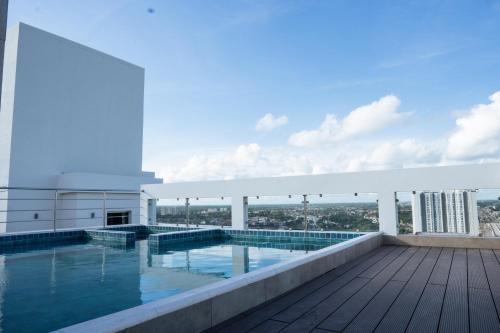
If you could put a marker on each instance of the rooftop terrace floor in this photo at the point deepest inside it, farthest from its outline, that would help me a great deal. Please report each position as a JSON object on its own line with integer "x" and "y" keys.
{"x": 391, "y": 289}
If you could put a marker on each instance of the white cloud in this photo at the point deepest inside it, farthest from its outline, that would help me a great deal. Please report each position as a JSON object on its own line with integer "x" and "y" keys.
{"x": 269, "y": 122}
{"x": 244, "y": 162}
{"x": 362, "y": 120}
{"x": 253, "y": 161}
{"x": 476, "y": 138}
{"x": 220, "y": 165}
{"x": 406, "y": 153}
{"x": 478, "y": 132}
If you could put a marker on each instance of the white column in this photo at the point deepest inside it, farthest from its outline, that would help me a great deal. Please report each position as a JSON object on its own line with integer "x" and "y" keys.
{"x": 239, "y": 212}
{"x": 387, "y": 211}
{"x": 416, "y": 213}
{"x": 473, "y": 213}
{"x": 151, "y": 212}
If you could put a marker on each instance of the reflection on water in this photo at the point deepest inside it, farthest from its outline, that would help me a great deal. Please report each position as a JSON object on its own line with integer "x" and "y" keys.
{"x": 42, "y": 289}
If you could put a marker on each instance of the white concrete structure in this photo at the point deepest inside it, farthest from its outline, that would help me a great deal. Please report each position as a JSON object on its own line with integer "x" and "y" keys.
{"x": 450, "y": 211}
{"x": 385, "y": 183}
{"x": 71, "y": 118}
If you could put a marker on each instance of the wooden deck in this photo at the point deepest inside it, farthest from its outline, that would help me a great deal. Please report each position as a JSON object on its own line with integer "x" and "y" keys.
{"x": 392, "y": 289}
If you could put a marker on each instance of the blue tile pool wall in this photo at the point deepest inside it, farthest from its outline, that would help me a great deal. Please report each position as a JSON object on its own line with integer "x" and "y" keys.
{"x": 47, "y": 237}
{"x": 147, "y": 229}
{"x": 322, "y": 239}
{"x": 169, "y": 234}
{"x": 156, "y": 229}
{"x": 139, "y": 229}
{"x": 112, "y": 236}
{"x": 291, "y": 236}
{"x": 156, "y": 240}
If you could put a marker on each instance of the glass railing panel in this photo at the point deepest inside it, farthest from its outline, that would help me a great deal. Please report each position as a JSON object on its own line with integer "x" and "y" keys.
{"x": 344, "y": 212}
{"x": 210, "y": 212}
{"x": 488, "y": 206}
{"x": 450, "y": 211}
{"x": 171, "y": 211}
{"x": 198, "y": 212}
{"x": 276, "y": 212}
{"x": 405, "y": 212}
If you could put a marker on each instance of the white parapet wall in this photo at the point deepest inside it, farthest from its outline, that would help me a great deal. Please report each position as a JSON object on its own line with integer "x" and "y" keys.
{"x": 384, "y": 183}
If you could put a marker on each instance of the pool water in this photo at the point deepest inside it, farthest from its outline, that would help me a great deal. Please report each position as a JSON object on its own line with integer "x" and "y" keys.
{"x": 45, "y": 289}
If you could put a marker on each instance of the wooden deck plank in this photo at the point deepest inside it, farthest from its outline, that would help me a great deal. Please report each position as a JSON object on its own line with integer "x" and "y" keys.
{"x": 258, "y": 315}
{"x": 269, "y": 326}
{"x": 492, "y": 268}
{"x": 375, "y": 311}
{"x": 426, "y": 315}
{"x": 496, "y": 300}
{"x": 455, "y": 312}
{"x": 309, "y": 302}
{"x": 339, "y": 319}
{"x": 497, "y": 254}
{"x": 371, "y": 272}
{"x": 442, "y": 270}
{"x": 405, "y": 273}
{"x": 401, "y": 311}
{"x": 390, "y": 290}
{"x": 482, "y": 312}
{"x": 476, "y": 274}
{"x": 368, "y": 319}
{"x": 312, "y": 318}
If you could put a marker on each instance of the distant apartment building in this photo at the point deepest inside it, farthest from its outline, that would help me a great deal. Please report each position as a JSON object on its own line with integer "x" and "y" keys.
{"x": 451, "y": 211}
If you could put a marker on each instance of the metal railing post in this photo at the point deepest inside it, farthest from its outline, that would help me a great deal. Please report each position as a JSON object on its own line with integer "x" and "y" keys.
{"x": 55, "y": 211}
{"x": 104, "y": 210}
{"x": 305, "y": 202}
{"x": 187, "y": 212}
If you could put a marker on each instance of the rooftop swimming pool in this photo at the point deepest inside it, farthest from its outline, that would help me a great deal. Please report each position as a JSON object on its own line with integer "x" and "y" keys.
{"x": 46, "y": 287}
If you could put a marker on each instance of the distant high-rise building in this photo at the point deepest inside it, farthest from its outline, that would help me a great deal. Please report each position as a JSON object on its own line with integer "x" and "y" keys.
{"x": 453, "y": 211}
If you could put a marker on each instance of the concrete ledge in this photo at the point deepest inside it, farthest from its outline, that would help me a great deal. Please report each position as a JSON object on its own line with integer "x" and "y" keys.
{"x": 207, "y": 306}
{"x": 458, "y": 241}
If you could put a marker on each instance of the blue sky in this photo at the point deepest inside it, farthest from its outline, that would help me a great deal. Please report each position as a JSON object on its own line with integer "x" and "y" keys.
{"x": 358, "y": 84}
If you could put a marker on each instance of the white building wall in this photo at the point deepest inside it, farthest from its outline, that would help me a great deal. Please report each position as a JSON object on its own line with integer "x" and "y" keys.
{"x": 473, "y": 210}
{"x": 459, "y": 214}
{"x": 459, "y": 211}
{"x": 429, "y": 212}
{"x": 451, "y": 211}
{"x": 73, "y": 109}
{"x": 438, "y": 212}
{"x": 68, "y": 110}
